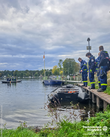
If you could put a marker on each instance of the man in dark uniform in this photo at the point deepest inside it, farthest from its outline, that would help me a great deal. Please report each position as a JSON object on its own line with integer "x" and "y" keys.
{"x": 103, "y": 64}
{"x": 83, "y": 70}
{"x": 97, "y": 69}
{"x": 92, "y": 68}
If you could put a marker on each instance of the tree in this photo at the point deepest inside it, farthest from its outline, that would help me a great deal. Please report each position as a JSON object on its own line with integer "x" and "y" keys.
{"x": 36, "y": 74}
{"x": 55, "y": 70}
{"x": 69, "y": 66}
{"x": 61, "y": 72}
{"x": 60, "y": 64}
{"x": 15, "y": 72}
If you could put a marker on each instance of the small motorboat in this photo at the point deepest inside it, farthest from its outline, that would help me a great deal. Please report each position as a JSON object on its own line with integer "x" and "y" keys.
{"x": 68, "y": 93}
{"x": 5, "y": 81}
{"x": 53, "y": 82}
{"x": 11, "y": 80}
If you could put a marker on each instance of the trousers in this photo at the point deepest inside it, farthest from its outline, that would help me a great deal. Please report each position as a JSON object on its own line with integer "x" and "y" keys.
{"x": 103, "y": 77}
{"x": 91, "y": 78}
{"x": 98, "y": 76}
{"x": 84, "y": 78}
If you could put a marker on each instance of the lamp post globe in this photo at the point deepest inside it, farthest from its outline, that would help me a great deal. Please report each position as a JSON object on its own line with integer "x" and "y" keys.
{"x": 88, "y": 39}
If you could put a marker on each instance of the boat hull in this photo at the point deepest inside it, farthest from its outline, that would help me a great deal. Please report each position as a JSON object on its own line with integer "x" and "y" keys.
{"x": 53, "y": 82}
{"x": 67, "y": 94}
{"x": 11, "y": 81}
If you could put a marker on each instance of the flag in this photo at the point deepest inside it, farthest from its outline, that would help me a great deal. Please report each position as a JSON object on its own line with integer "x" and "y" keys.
{"x": 44, "y": 56}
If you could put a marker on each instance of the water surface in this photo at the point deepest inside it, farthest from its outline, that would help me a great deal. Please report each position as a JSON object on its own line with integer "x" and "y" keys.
{"x": 27, "y": 101}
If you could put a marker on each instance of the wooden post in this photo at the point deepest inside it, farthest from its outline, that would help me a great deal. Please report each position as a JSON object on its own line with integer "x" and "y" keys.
{"x": 93, "y": 98}
{"x": 105, "y": 105}
{"x": 90, "y": 94}
{"x": 99, "y": 102}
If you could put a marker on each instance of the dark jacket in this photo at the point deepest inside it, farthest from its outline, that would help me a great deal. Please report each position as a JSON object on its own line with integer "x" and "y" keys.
{"x": 92, "y": 63}
{"x": 83, "y": 66}
{"x": 103, "y": 58}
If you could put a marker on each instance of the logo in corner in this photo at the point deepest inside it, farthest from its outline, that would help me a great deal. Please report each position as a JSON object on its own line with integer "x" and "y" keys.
{"x": 105, "y": 128}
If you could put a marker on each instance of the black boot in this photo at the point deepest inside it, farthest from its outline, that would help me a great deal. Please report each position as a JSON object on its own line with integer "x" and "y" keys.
{"x": 100, "y": 90}
{"x": 92, "y": 87}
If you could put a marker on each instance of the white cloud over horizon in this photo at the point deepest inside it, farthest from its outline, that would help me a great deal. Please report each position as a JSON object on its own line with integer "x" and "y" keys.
{"x": 60, "y": 28}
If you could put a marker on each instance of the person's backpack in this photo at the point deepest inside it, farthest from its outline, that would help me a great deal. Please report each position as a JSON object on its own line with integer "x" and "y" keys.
{"x": 108, "y": 62}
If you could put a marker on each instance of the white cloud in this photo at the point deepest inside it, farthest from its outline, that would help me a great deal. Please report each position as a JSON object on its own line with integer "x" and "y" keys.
{"x": 61, "y": 28}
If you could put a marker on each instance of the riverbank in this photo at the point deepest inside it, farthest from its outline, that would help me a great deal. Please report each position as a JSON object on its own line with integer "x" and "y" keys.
{"x": 95, "y": 126}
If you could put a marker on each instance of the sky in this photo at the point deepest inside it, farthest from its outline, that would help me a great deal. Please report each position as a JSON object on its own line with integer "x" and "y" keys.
{"x": 60, "y": 28}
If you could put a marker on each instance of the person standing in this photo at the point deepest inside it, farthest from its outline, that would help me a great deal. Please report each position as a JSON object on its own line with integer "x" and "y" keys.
{"x": 104, "y": 65}
{"x": 97, "y": 69}
{"x": 83, "y": 70}
{"x": 92, "y": 68}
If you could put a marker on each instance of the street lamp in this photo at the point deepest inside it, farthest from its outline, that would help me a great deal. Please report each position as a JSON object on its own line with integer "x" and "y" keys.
{"x": 88, "y": 47}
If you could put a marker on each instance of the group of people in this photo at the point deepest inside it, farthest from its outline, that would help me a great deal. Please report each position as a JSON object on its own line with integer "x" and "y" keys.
{"x": 99, "y": 66}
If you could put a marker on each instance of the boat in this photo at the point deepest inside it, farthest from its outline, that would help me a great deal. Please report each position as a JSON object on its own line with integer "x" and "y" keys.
{"x": 53, "y": 82}
{"x": 68, "y": 93}
{"x": 5, "y": 81}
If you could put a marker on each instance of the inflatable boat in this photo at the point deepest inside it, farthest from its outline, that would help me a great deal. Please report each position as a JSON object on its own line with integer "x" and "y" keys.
{"x": 68, "y": 93}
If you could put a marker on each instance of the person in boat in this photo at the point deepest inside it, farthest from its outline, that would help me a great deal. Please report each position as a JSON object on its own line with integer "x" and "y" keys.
{"x": 92, "y": 68}
{"x": 13, "y": 78}
{"x": 104, "y": 67}
{"x": 83, "y": 70}
{"x": 8, "y": 79}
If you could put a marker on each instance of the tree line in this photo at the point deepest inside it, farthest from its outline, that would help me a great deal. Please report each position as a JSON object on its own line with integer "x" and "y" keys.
{"x": 66, "y": 67}
{"x": 25, "y": 73}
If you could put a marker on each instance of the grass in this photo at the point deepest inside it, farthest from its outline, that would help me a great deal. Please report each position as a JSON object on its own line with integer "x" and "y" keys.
{"x": 18, "y": 133}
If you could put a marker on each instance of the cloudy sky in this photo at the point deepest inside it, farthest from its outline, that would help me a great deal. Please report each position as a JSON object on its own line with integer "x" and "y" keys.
{"x": 58, "y": 27}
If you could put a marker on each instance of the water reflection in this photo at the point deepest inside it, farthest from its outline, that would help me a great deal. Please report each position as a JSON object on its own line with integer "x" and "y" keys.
{"x": 74, "y": 111}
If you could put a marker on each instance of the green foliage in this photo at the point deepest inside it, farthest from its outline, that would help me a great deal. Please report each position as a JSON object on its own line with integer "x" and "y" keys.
{"x": 55, "y": 70}
{"x": 70, "y": 66}
{"x": 77, "y": 129}
{"x": 18, "y": 133}
{"x": 107, "y": 90}
{"x": 60, "y": 64}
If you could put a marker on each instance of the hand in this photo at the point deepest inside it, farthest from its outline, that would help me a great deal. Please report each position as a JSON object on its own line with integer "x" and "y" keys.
{"x": 81, "y": 70}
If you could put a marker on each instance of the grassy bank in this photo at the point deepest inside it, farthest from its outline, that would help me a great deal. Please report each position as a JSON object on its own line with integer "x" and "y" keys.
{"x": 68, "y": 129}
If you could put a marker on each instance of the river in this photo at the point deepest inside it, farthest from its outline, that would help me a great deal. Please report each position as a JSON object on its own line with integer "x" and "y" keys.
{"x": 27, "y": 101}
